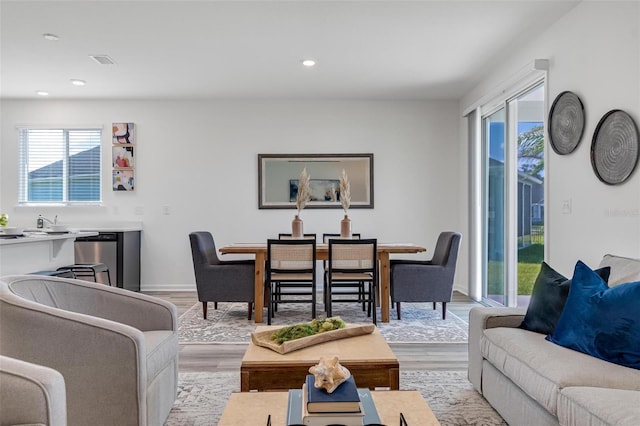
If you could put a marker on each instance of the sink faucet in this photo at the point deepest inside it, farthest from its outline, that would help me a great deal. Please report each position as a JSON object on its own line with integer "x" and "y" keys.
{"x": 54, "y": 222}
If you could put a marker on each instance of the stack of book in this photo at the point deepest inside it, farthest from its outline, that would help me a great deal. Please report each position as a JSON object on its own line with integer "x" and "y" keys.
{"x": 347, "y": 405}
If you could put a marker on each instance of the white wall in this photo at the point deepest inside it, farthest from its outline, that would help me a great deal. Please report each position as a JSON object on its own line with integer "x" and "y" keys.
{"x": 199, "y": 158}
{"x": 593, "y": 51}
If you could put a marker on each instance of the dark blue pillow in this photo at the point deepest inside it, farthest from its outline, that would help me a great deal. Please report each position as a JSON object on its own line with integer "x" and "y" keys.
{"x": 548, "y": 297}
{"x": 600, "y": 321}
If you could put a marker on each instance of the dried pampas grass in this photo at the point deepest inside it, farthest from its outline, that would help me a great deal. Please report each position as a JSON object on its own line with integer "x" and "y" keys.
{"x": 304, "y": 190}
{"x": 345, "y": 191}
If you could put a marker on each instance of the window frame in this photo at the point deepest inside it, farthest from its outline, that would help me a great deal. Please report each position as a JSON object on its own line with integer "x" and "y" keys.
{"x": 23, "y": 172}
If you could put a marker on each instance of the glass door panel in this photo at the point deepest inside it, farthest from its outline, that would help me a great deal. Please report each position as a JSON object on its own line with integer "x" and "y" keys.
{"x": 494, "y": 138}
{"x": 530, "y": 198}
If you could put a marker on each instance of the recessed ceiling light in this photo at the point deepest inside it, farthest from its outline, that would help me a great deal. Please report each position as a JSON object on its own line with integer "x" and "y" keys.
{"x": 309, "y": 62}
{"x": 50, "y": 37}
{"x": 42, "y": 93}
{"x": 77, "y": 82}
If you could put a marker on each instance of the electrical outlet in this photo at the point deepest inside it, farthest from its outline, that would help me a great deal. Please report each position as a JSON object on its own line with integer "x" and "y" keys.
{"x": 166, "y": 210}
{"x": 139, "y": 210}
{"x": 566, "y": 206}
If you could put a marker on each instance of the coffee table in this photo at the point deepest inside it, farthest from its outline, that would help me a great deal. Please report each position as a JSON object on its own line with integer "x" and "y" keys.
{"x": 252, "y": 408}
{"x": 369, "y": 358}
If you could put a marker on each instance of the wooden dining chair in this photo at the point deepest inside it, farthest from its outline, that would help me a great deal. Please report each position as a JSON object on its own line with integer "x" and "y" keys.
{"x": 352, "y": 260}
{"x": 291, "y": 264}
{"x": 325, "y": 266}
{"x": 279, "y": 286}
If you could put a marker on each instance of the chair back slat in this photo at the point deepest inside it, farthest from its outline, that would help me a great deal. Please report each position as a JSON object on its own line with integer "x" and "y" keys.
{"x": 352, "y": 255}
{"x": 291, "y": 256}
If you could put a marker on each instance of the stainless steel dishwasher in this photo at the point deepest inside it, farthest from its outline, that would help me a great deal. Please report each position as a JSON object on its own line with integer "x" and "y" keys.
{"x": 120, "y": 251}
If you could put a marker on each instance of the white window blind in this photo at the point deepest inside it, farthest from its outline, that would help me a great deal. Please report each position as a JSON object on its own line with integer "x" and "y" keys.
{"x": 60, "y": 166}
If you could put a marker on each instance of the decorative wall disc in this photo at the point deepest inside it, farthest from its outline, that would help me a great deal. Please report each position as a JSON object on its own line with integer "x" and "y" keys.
{"x": 566, "y": 123}
{"x": 614, "y": 148}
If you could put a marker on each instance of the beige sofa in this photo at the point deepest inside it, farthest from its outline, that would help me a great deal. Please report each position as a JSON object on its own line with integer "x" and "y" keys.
{"x": 117, "y": 350}
{"x": 531, "y": 381}
{"x": 31, "y": 394}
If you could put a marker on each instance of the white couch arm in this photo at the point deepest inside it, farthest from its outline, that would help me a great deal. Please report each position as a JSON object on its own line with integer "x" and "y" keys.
{"x": 481, "y": 319}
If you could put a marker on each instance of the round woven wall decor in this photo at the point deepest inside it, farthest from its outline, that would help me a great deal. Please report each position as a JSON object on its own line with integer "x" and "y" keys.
{"x": 566, "y": 123}
{"x": 614, "y": 148}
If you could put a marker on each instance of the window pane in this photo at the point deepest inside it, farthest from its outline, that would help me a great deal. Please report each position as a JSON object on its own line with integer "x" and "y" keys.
{"x": 530, "y": 107}
{"x": 494, "y": 136}
{"x": 45, "y": 151}
{"x": 84, "y": 165}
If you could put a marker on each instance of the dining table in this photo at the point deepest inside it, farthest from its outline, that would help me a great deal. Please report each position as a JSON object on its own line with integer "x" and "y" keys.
{"x": 259, "y": 250}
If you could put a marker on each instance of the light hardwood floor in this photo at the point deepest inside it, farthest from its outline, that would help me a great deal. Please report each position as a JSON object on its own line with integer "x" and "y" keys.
{"x": 414, "y": 356}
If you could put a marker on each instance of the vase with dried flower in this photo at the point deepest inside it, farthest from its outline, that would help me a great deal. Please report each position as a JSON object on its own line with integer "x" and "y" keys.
{"x": 345, "y": 201}
{"x": 302, "y": 197}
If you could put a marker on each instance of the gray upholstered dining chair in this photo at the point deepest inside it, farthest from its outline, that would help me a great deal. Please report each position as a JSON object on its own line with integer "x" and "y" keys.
{"x": 217, "y": 280}
{"x": 430, "y": 280}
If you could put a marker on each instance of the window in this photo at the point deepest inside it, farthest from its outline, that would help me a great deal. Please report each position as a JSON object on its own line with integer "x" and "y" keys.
{"x": 60, "y": 166}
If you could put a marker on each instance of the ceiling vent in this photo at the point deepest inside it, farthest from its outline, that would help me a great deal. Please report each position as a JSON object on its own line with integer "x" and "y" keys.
{"x": 102, "y": 59}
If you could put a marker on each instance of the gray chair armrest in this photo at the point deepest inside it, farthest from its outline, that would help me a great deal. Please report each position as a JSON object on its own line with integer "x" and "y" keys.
{"x": 481, "y": 319}
{"x": 31, "y": 394}
{"x": 137, "y": 310}
{"x": 140, "y": 311}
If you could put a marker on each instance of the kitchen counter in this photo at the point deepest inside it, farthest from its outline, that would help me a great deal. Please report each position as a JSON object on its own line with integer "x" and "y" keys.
{"x": 38, "y": 236}
{"x": 38, "y": 251}
{"x": 109, "y": 226}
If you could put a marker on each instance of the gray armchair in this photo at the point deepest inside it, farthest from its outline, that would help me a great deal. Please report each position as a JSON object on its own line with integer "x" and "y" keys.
{"x": 220, "y": 281}
{"x": 117, "y": 350}
{"x": 31, "y": 394}
{"x": 430, "y": 280}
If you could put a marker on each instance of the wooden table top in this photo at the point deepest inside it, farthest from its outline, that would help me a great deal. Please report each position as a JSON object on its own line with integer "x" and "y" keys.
{"x": 364, "y": 349}
{"x": 389, "y": 405}
{"x": 244, "y": 248}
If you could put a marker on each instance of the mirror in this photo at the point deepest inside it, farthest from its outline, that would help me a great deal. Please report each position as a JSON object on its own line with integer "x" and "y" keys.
{"x": 278, "y": 176}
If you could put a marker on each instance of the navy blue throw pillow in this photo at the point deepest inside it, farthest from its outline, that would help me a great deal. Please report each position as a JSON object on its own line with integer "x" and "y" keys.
{"x": 548, "y": 297}
{"x": 600, "y": 321}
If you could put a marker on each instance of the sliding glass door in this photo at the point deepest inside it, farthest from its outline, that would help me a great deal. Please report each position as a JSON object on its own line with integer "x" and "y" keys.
{"x": 513, "y": 140}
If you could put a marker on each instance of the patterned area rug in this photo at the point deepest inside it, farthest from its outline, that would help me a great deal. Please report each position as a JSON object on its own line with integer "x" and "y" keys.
{"x": 202, "y": 397}
{"x": 228, "y": 324}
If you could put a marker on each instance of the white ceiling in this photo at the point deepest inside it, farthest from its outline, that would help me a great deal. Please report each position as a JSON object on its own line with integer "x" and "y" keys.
{"x": 252, "y": 49}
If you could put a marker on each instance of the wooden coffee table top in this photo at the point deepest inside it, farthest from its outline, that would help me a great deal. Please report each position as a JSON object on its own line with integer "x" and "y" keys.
{"x": 365, "y": 349}
{"x": 389, "y": 405}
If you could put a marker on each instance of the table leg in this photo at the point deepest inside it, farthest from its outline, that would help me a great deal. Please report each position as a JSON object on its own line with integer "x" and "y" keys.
{"x": 385, "y": 292}
{"x": 259, "y": 286}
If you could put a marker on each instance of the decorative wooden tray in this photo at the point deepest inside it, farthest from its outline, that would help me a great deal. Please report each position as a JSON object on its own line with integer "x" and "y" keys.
{"x": 263, "y": 338}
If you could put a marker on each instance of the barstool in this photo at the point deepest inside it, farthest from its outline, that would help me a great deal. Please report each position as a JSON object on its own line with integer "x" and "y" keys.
{"x": 88, "y": 270}
{"x": 64, "y": 273}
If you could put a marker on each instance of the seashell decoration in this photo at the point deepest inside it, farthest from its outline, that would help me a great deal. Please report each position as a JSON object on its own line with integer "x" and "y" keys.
{"x": 329, "y": 374}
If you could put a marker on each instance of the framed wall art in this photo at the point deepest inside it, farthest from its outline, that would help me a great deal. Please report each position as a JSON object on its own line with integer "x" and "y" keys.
{"x": 122, "y": 156}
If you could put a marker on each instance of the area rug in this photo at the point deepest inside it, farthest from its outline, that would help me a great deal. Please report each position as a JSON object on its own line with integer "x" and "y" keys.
{"x": 229, "y": 324}
{"x": 202, "y": 397}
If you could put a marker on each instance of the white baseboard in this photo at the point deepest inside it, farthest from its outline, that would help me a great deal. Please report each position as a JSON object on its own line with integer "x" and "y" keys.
{"x": 167, "y": 287}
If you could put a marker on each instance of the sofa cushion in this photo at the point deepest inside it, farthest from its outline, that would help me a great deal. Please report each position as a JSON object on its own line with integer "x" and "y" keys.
{"x": 542, "y": 369}
{"x": 601, "y": 321}
{"x": 548, "y": 297}
{"x": 623, "y": 269}
{"x": 598, "y": 407}
{"x": 162, "y": 348}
